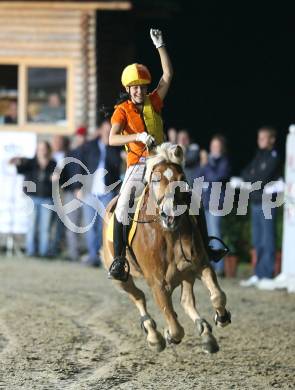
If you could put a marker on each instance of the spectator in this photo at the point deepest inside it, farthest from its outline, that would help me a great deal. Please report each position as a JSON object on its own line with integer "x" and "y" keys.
{"x": 80, "y": 137}
{"x": 172, "y": 135}
{"x": 215, "y": 167}
{"x": 60, "y": 146}
{"x": 191, "y": 156}
{"x": 11, "y": 115}
{"x": 71, "y": 192}
{"x": 264, "y": 167}
{"x": 51, "y": 112}
{"x": 38, "y": 170}
{"x": 98, "y": 155}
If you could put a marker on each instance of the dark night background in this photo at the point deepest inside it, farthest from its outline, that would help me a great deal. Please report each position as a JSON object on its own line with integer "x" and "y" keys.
{"x": 233, "y": 64}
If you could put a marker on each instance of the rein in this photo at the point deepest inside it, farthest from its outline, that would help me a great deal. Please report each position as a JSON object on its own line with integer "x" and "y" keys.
{"x": 137, "y": 221}
{"x": 182, "y": 250}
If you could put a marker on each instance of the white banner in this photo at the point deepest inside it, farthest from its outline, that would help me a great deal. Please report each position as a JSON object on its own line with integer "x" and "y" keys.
{"x": 288, "y": 255}
{"x": 14, "y": 204}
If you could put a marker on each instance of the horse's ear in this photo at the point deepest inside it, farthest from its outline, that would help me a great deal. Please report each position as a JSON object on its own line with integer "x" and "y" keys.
{"x": 152, "y": 152}
{"x": 177, "y": 154}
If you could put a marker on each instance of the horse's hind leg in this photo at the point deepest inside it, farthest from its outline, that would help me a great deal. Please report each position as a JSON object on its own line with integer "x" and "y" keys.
{"x": 217, "y": 296}
{"x": 154, "y": 338}
{"x": 209, "y": 343}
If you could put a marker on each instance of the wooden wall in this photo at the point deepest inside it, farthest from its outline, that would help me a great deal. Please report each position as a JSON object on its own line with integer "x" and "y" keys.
{"x": 64, "y": 34}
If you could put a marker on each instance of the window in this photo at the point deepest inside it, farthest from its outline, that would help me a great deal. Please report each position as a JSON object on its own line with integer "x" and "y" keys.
{"x": 8, "y": 94}
{"x": 36, "y": 95}
{"x": 47, "y": 95}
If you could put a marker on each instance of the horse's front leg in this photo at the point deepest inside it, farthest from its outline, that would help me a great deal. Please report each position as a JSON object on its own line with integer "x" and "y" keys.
{"x": 217, "y": 296}
{"x": 209, "y": 343}
{"x": 154, "y": 338}
{"x": 175, "y": 332}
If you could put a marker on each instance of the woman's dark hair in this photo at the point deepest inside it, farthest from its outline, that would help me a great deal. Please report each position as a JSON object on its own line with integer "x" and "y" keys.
{"x": 270, "y": 130}
{"x": 123, "y": 97}
{"x": 223, "y": 142}
{"x": 104, "y": 114}
{"x": 66, "y": 143}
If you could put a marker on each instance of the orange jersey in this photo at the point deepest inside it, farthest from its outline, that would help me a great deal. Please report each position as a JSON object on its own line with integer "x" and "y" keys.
{"x": 127, "y": 115}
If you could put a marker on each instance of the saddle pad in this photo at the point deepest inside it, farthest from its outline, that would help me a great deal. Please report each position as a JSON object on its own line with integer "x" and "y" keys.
{"x": 133, "y": 226}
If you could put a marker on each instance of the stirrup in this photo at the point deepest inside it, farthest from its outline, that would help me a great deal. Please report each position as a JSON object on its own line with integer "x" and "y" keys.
{"x": 217, "y": 254}
{"x": 119, "y": 269}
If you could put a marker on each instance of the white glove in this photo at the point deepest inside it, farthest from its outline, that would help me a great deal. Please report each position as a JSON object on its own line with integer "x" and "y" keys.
{"x": 157, "y": 37}
{"x": 145, "y": 138}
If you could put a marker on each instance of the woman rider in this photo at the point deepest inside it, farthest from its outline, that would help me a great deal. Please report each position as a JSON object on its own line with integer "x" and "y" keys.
{"x": 137, "y": 124}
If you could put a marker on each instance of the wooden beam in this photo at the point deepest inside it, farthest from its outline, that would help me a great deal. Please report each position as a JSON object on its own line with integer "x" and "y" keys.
{"x": 10, "y": 12}
{"x": 40, "y": 29}
{"x": 39, "y": 36}
{"x": 24, "y": 54}
{"x": 43, "y": 46}
{"x": 40, "y": 129}
{"x": 35, "y": 21}
{"x": 83, "y": 5}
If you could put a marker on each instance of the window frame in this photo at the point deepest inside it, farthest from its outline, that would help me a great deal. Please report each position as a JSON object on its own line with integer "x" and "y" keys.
{"x": 23, "y": 64}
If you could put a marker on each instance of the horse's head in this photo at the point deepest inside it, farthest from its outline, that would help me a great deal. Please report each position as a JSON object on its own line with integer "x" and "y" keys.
{"x": 167, "y": 184}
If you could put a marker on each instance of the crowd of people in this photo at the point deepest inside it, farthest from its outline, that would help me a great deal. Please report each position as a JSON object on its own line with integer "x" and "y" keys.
{"x": 214, "y": 166}
{"x": 48, "y": 236}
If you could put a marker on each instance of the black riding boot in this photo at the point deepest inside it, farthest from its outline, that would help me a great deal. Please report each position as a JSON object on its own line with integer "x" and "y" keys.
{"x": 213, "y": 254}
{"x": 119, "y": 268}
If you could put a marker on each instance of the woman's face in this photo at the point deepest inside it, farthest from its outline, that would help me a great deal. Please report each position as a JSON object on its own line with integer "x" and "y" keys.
{"x": 42, "y": 150}
{"x": 216, "y": 147}
{"x": 137, "y": 93}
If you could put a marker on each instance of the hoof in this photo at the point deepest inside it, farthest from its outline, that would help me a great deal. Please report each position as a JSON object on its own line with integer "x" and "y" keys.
{"x": 201, "y": 325}
{"x": 170, "y": 340}
{"x": 158, "y": 346}
{"x": 222, "y": 321}
{"x": 209, "y": 344}
{"x": 144, "y": 318}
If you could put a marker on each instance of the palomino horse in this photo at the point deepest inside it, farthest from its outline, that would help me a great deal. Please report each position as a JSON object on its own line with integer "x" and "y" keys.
{"x": 168, "y": 251}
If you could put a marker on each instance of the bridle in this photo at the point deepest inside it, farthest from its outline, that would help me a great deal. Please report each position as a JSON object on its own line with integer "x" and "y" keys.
{"x": 158, "y": 203}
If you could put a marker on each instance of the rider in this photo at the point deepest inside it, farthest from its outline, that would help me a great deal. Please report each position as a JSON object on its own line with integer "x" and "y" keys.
{"x": 137, "y": 124}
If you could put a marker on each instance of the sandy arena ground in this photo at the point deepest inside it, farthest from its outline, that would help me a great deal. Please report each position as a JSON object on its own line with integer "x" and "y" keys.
{"x": 64, "y": 326}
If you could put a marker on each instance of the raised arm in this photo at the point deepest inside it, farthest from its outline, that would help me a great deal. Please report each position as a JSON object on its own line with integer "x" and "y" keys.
{"x": 166, "y": 78}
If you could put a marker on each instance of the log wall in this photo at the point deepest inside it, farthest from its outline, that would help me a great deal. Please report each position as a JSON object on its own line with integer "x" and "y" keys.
{"x": 56, "y": 34}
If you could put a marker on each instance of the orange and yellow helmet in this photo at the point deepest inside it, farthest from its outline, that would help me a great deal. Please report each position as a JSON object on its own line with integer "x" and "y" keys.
{"x": 136, "y": 74}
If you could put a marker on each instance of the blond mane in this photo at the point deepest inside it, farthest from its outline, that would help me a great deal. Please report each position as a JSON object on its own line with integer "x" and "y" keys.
{"x": 166, "y": 152}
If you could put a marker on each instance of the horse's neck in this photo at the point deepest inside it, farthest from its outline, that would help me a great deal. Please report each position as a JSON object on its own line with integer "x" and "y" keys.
{"x": 149, "y": 202}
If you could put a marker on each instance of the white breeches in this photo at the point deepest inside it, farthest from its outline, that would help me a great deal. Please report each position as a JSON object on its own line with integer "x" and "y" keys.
{"x": 133, "y": 183}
